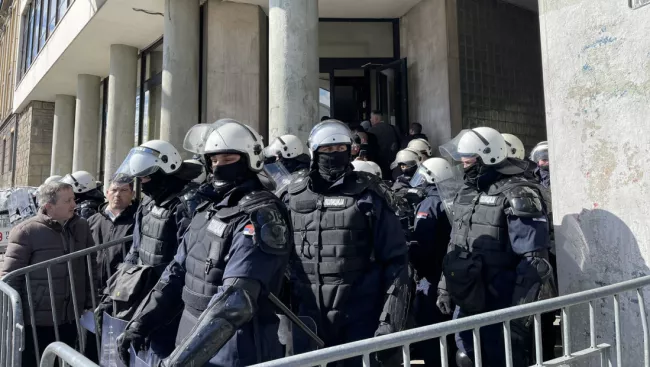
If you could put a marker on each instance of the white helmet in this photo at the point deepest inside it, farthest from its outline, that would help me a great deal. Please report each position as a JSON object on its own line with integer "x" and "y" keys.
{"x": 150, "y": 157}
{"x": 421, "y": 145}
{"x": 540, "y": 152}
{"x": 407, "y": 157}
{"x": 515, "y": 146}
{"x": 367, "y": 166}
{"x": 432, "y": 170}
{"x": 226, "y": 136}
{"x": 53, "y": 178}
{"x": 483, "y": 142}
{"x": 203, "y": 175}
{"x": 287, "y": 146}
{"x": 329, "y": 132}
{"x": 81, "y": 181}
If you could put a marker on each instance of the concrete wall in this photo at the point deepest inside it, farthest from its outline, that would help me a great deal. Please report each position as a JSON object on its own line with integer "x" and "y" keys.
{"x": 354, "y": 39}
{"x": 235, "y": 64}
{"x": 597, "y": 86}
{"x": 428, "y": 39}
{"x": 34, "y": 144}
{"x": 501, "y": 69}
{"x": 7, "y": 141}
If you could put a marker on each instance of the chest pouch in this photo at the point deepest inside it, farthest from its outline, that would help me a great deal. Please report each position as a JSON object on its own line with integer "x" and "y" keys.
{"x": 465, "y": 281}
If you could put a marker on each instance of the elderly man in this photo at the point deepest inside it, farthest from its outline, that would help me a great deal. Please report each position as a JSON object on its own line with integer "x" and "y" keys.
{"x": 113, "y": 221}
{"x": 55, "y": 231}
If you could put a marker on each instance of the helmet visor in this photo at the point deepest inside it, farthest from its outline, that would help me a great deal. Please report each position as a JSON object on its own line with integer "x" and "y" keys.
{"x": 274, "y": 149}
{"x": 196, "y": 137}
{"x": 419, "y": 178}
{"x": 456, "y": 149}
{"x": 538, "y": 155}
{"x": 140, "y": 162}
{"x": 330, "y": 132}
{"x": 279, "y": 174}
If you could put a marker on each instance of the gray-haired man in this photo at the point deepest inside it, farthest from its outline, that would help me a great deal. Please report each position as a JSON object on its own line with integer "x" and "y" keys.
{"x": 56, "y": 230}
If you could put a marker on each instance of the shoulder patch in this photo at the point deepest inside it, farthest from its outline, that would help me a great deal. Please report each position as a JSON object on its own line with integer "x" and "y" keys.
{"x": 217, "y": 227}
{"x": 270, "y": 230}
{"x": 422, "y": 215}
{"x": 334, "y": 202}
{"x": 249, "y": 230}
{"x": 488, "y": 200}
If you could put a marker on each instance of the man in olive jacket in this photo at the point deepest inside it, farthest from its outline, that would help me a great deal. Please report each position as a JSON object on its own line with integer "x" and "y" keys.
{"x": 54, "y": 232}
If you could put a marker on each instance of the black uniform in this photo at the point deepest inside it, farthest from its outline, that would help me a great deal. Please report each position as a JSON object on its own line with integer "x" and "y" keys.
{"x": 88, "y": 203}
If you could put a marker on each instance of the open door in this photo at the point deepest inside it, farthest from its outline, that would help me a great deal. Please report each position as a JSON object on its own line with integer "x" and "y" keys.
{"x": 348, "y": 89}
{"x": 391, "y": 93}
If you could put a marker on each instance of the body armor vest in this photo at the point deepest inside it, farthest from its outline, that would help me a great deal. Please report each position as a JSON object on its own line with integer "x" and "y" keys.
{"x": 333, "y": 240}
{"x": 159, "y": 241}
{"x": 480, "y": 225}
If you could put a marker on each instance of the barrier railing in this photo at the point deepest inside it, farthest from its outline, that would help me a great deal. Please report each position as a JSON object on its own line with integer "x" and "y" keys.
{"x": 12, "y": 338}
{"x": 404, "y": 339}
{"x": 66, "y": 353}
{"x": 16, "y": 345}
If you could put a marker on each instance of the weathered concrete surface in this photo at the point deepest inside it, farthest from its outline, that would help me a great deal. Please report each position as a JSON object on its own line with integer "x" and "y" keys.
{"x": 429, "y": 41}
{"x": 235, "y": 61}
{"x": 86, "y": 128}
{"x": 63, "y": 135}
{"x": 293, "y": 67}
{"x": 596, "y": 58}
{"x": 120, "y": 116}
{"x": 180, "y": 79}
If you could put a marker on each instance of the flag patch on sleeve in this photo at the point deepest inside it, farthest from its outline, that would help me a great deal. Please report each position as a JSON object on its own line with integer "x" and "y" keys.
{"x": 422, "y": 215}
{"x": 249, "y": 230}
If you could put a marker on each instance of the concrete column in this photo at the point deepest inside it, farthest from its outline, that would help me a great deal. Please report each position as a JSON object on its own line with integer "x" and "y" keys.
{"x": 293, "y": 67}
{"x": 120, "y": 112}
{"x": 87, "y": 124}
{"x": 180, "y": 79}
{"x": 155, "y": 97}
{"x": 235, "y": 53}
{"x": 596, "y": 91}
{"x": 63, "y": 135}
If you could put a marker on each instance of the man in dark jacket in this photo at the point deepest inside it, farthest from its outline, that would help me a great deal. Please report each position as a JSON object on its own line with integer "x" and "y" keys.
{"x": 388, "y": 141}
{"x": 55, "y": 231}
{"x": 113, "y": 221}
{"x": 414, "y": 133}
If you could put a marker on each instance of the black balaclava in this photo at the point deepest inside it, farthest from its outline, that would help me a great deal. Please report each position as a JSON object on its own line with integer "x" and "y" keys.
{"x": 331, "y": 166}
{"x": 409, "y": 172}
{"x": 162, "y": 186}
{"x": 480, "y": 175}
{"x": 92, "y": 195}
{"x": 230, "y": 175}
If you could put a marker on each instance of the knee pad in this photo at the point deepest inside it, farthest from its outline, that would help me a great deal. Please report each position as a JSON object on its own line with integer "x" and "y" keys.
{"x": 463, "y": 360}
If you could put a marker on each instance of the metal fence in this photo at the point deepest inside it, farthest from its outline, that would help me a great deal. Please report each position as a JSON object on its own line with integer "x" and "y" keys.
{"x": 404, "y": 339}
{"x": 11, "y": 320}
{"x": 67, "y": 354}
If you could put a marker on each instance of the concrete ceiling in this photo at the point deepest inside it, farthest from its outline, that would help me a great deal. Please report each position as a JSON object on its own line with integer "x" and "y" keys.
{"x": 116, "y": 22}
{"x": 531, "y": 5}
{"x": 353, "y": 8}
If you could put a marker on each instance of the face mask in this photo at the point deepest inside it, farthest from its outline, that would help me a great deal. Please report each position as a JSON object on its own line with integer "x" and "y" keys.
{"x": 409, "y": 172}
{"x": 332, "y": 165}
{"x": 543, "y": 168}
{"x": 231, "y": 173}
{"x": 161, "y": 186}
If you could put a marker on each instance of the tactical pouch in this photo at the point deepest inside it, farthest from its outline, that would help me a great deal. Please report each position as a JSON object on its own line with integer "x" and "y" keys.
{"x": 465, "y": 282}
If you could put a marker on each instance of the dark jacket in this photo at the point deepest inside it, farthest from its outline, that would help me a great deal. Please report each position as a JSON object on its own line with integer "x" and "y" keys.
{"x": 104, "y": 229}
{"x": 408, "y": 139}
{"x": 388, "y": 143}
{"x": 39, "y": 239}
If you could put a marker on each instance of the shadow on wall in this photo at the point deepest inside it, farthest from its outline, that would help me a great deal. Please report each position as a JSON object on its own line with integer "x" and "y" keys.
{"x": 596, "y": 248}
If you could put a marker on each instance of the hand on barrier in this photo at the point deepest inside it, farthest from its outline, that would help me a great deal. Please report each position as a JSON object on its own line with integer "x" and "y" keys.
{"x": 131, "y": 336}
{"x": 387, "y": 357}
{"x": 444, "y": 302}
{"x": 99, "y": 317}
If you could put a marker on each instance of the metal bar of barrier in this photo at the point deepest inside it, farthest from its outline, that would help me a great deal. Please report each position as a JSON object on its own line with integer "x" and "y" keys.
{"x": 507, "y": 341}
{"x": 406, "y": 355}
{"x": 366, "y": 360}
{"x": 538, "y": 339}
{"x": 353, "y": 349}
{"x": 592, "y": 323}
{"x": 55, "y": 319}
{"x": 476, "y": 336}
{"x": 582, "y": 355}
{"x": 617, "y": 326}
{"x": 67, "y": 354}
{"x": 32, "y": 319}
{"x": 16, "y": 339}
{"x": 94, "y": 301}
{"x": 644, "y": 325}
{"x": 64, "y": 258}
{"x": 566, "y": 332}
{"x": 75, "y": 307}
{"x": 4, "y": 330}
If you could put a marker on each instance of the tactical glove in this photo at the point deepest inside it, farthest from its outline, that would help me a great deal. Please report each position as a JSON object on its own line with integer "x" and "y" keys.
{"x": 387, "y": 357}
{"x": 444, "y": 302}
{"x": 131, "y": 336}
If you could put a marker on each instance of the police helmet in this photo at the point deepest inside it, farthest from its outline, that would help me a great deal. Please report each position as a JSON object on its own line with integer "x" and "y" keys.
{"x": 367, "y": 166}
{"x": 329, "y": 132}
{"x": 286, "y": 146}
{"x": 481, "y": 142}
{"x": 203, "y": 176}
{"x": 81, "y": 181}
{"x": 150, "y": 157}
{"x": 432, "y": 170}
{"x": 226, "y": 136}
{"x": 540, "y": 152}
{"x": 53, "y": 178}
{"x": 515, "y": 146}
{"x": 406, "y": 157}
{"x": 421, "y": 145}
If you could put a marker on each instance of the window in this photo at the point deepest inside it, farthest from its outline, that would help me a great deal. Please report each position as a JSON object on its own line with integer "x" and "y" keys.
{"x": 12, "y": 146}
{"x": 41, "y": 41}
{"x": 23, "y": 62}
{"x": 37, "y": 24}
{"x": 63, "y": 6}
{"x": 52, "y": 14}
{"x": 4, "y": 155}
{"x": 30, "y": 24}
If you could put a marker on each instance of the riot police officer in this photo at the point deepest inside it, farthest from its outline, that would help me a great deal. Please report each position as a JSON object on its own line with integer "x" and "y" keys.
{"x": 160, "y": 221}
{"x": 87, "y": 193}
{"x": 515, "y": 146}
{"x": 539, "y": 155}
{"x": 350, "y": 275}
{"x": 407, "y": 160}
{"x": 422, "y": 147}
{"x": 287, "y": 149}
{"x": 233, "y": 255}
{"x": 499, "y": 246}
{"x": 428, "y": 246}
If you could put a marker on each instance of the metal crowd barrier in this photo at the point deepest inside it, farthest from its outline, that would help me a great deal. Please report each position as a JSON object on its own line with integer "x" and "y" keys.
{"x": 11, "y": 326}
{"x": 66, "y": 353}
{"x": 405, "y": 338}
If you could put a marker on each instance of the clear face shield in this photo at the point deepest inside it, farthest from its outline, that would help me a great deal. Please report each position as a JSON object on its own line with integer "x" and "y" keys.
{"x": 461, "y": 150}
{"x": 449, "y": 187}
{"x": 140, "y": 162}
{"x": 420, "y": 178}
{"x": 279, "y": 174}
{"x": 539, "y": 155}
{"x": 273, "y": 150}
{"x": 197, "y": 137}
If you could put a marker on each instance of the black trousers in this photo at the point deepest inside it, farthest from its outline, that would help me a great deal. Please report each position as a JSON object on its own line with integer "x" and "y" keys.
{"x": 45, "y": 336}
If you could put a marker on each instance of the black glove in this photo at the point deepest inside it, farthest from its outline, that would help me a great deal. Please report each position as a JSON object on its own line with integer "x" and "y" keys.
{"x": 444, "y": 302}
{"x": 99, "y": 317}
{"x": 387, "y": 357}
{"x": 131, "y": 336}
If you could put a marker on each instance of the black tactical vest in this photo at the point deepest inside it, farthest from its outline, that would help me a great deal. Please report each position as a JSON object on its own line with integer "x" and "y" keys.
{"x": 158, "y": 227}
{"x": 333, "y": 240}
{"x": 480, "y": 225}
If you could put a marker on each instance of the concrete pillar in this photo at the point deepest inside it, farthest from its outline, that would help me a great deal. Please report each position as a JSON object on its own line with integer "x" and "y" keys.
{"x": 120, "y": 112}
{"x": 63, "y": 135}
{"x": 596, "y": 91}
{"x": 155, "y": 97}
{"x": 87, "y": 124}
{"x": 293, "y": 67}
{"x": 235, "y": 52}
{"x": 180, "y": 79}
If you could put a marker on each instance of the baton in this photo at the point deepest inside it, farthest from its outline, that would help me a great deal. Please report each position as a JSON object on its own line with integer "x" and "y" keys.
{"x": 296, "y": 320}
